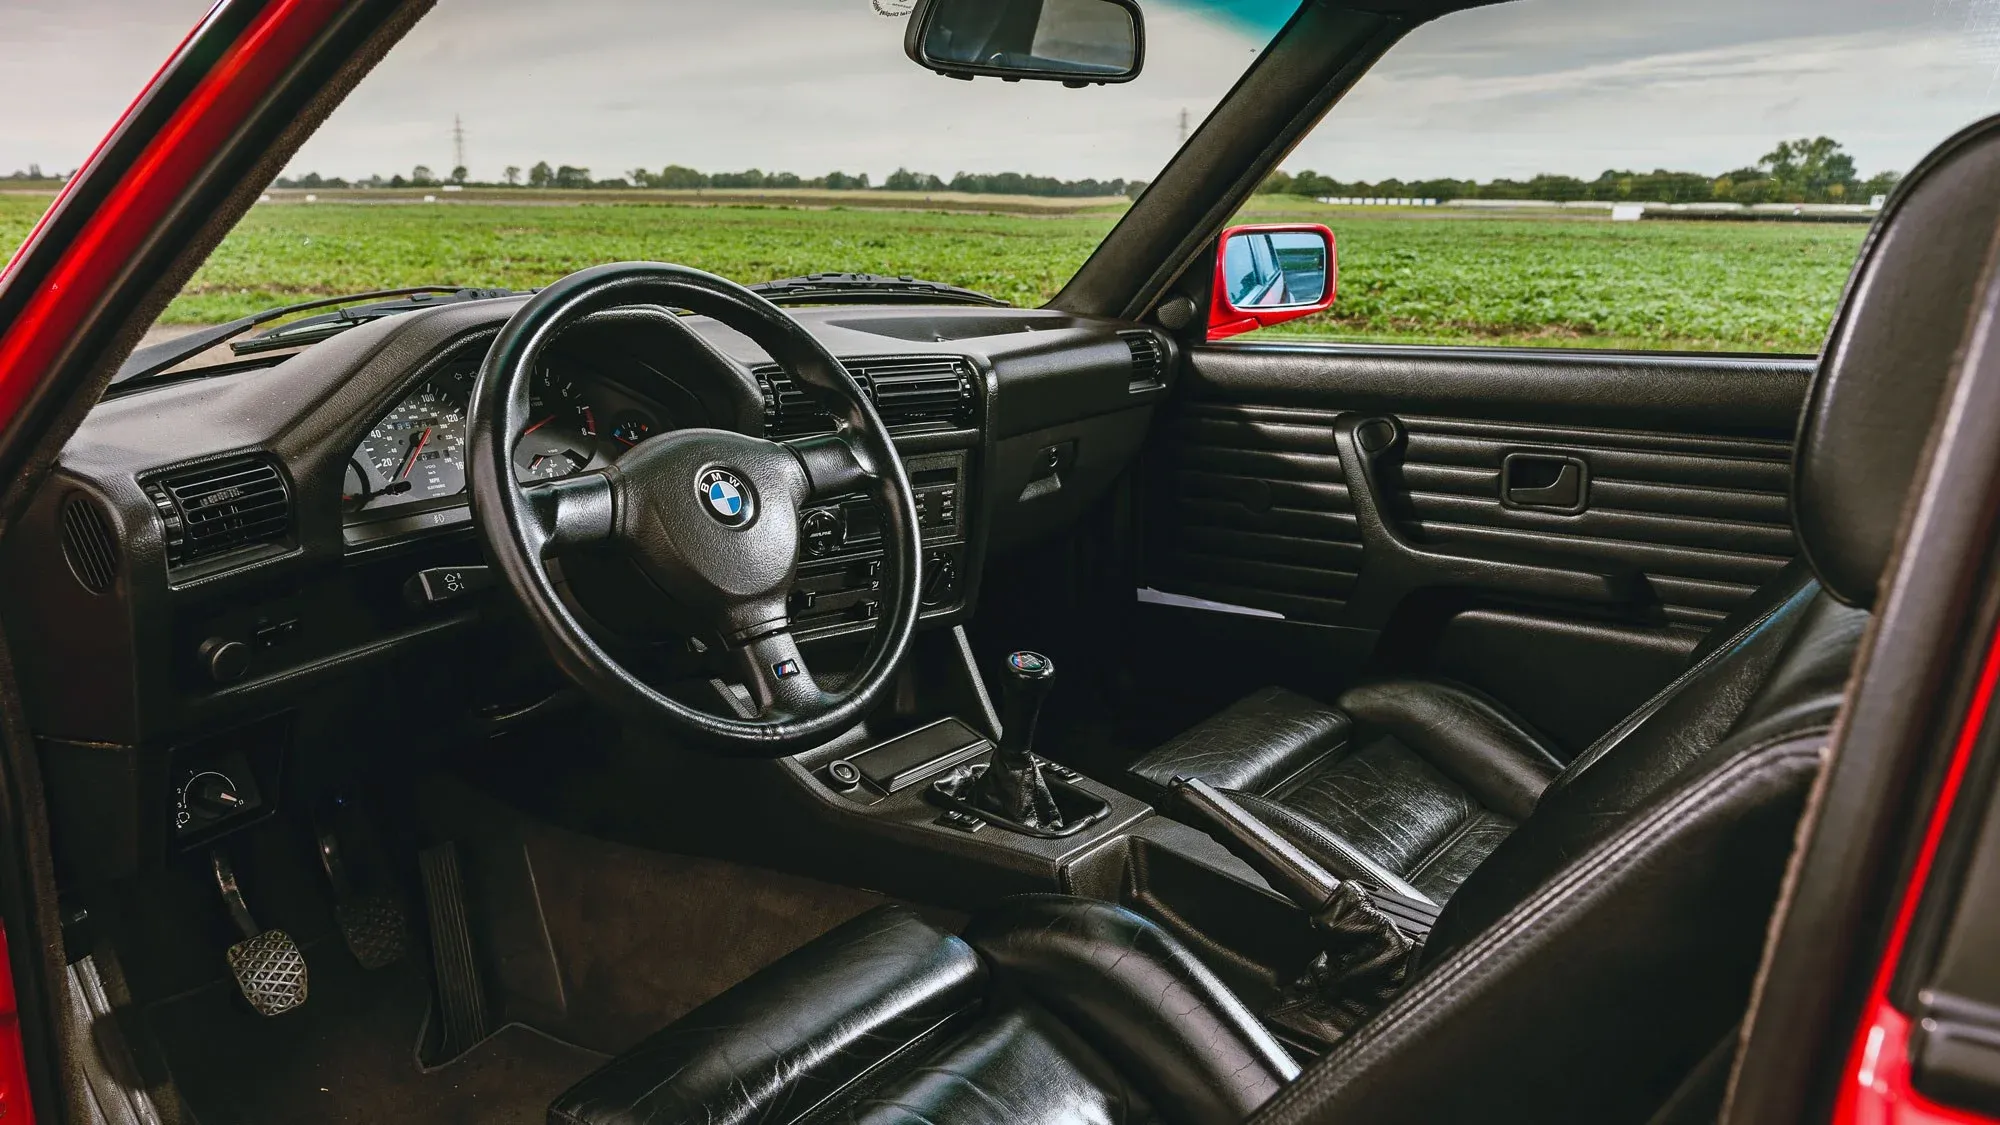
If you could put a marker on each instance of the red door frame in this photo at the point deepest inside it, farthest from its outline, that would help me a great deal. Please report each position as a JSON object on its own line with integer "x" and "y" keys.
{"x": 1875, "y": 1083}
{"x": 63, "y": 296}
{"x": 68, "y": 291}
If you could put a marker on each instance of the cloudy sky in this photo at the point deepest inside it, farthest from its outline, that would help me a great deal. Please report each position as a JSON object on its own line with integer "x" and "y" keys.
{"x": 1573, "y": 86}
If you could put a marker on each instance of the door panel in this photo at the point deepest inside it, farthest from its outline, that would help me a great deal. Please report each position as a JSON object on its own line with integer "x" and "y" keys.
{"x": 1681, "y": 470}
{"x": 1706, "y": 521}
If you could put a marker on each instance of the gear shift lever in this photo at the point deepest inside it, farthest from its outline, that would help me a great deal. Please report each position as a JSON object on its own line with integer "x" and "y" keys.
{"x": 1024, "y": 686}
{"x": 1012, "y": 786}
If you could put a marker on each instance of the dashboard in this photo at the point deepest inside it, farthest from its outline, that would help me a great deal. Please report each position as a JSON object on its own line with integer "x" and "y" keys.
{"x": 257, "y": 568}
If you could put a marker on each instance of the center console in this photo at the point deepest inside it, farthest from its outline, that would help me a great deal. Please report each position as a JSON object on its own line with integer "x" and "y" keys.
{"x": 840, "y": 572}
{"x": 967, "y": 812}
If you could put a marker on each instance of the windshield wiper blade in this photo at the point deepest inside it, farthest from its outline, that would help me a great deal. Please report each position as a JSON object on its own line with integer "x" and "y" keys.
{"x": 869, "y": 288}
{"x": 154, "y": 359}
{"x": 312, "y": 329}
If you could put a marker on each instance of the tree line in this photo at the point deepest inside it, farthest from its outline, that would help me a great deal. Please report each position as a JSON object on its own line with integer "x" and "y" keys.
{"x": 34, "y": 172}
{"x": 1807, "y": 170}
{"x": 682, "y": 178}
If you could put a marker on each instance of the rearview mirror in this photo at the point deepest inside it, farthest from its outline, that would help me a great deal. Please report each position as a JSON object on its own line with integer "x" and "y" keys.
{"x": 1075, "y": 42}
{"x": 1266, "y": 275}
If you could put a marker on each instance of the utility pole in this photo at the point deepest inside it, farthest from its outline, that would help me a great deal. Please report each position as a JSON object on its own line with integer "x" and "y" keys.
{"x": 457, "y": 142}
{"x": 1184, "y": 124}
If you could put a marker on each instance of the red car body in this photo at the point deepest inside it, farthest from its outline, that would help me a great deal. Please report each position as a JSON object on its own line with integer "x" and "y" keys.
{"x": 67, "y": 300}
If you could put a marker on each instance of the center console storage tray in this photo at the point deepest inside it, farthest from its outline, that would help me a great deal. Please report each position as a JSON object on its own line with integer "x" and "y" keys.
{"x": 909, "y": 758}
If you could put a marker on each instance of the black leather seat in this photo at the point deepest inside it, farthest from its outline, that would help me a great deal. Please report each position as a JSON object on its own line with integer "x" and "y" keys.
{"x": 1592, "y": 968}
{"x": 1049, "y": 1009}
{"x": 1410, "y": 783}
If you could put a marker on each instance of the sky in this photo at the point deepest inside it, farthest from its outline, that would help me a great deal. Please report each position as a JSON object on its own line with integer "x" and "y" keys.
{"x": 810, "y": 86}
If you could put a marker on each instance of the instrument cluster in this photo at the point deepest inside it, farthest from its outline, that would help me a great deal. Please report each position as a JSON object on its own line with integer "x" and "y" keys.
{"x": 416, "y": 453}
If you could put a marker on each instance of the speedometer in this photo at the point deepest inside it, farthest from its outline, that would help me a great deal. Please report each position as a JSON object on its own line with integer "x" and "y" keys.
{"x": 419, "y": 447}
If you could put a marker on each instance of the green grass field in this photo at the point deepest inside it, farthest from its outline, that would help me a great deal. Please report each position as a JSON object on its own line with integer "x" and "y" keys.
{"x": 1431, "y": 277}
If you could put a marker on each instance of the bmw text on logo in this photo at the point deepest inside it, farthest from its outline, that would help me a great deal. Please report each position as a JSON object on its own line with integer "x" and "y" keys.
{"x": 725, "y": 495}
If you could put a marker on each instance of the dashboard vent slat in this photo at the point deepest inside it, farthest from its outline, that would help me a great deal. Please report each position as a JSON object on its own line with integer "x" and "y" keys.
{"x": 215, "y": 509}
{"x": 1149, "y": 362}
{"x": 87, "y": 544}
{"x": 907, "y": 390}
{"x": 921, "y": 390}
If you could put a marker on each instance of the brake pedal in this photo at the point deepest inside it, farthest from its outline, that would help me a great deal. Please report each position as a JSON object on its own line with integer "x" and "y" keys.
{"x": 270, "y": 971}
{"x": 372, "y": 925}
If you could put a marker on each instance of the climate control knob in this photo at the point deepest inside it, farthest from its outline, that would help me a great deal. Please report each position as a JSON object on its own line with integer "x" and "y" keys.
{"x": 940, "y": 579}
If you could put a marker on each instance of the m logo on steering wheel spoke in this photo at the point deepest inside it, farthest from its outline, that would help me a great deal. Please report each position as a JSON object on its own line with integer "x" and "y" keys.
{"x": 726, "y": 496}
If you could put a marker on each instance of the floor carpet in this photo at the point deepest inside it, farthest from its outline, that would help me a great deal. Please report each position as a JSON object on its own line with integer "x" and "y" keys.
{"x": 350, "y": 1055}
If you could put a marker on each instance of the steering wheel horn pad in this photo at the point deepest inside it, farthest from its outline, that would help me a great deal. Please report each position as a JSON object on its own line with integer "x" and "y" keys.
{"x": 733, "y": 562}
{"x": 711, "y": 516}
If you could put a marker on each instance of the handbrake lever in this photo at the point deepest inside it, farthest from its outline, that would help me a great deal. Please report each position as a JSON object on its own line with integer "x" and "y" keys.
{"x": 1290, "y": 871}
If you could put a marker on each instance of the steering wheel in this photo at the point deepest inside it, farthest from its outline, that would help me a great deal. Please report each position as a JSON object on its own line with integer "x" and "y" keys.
{"x": 710, "y": 516}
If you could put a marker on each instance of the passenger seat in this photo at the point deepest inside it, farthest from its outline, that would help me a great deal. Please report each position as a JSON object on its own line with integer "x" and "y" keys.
{"x": 1411, "y": 783}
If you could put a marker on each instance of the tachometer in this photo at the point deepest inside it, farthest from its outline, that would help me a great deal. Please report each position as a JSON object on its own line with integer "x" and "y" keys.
{"x": 561, "y": 435}
{"x": 419, "y": 448}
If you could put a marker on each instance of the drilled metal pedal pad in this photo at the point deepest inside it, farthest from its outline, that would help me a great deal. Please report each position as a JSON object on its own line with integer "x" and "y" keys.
{"x": 270, "y": 971}
{"x": 374, "y": 928}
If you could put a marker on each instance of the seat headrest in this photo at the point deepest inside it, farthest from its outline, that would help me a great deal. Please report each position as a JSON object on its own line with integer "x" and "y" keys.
{"x": 1886, "y": 363}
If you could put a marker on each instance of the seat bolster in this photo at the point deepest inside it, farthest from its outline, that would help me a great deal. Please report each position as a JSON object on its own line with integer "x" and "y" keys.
{"x": 1333, "y": 851}
{"x": 779, "y": 1044}
{"x": 1253, "y": 744}
{"x": 1589, "y": 998}
{"x": 1138, "y": 996}
{"x": 1503, "y": 762}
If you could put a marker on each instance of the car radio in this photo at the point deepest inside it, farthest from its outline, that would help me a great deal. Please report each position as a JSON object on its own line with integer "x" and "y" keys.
{"x": 840, "y": 576}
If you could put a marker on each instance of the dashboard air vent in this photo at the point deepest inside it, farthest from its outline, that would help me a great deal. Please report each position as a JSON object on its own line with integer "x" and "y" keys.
{"x": 87, "y": 544}
{"x": 219, "y": 508}
{"x": 1149, "y": 363}
{"x": 789, "y": 410}
{"x": 907, "y": 390}
{"x": 915, "y": 390}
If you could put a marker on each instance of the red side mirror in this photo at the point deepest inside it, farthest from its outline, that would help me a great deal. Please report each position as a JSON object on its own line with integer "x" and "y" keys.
{"x": 1269, "y": 274}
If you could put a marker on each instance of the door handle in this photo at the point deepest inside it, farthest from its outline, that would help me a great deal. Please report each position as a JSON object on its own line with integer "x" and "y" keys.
{"x": 1392, "y": 565}
{"x": 1548, "y": 481}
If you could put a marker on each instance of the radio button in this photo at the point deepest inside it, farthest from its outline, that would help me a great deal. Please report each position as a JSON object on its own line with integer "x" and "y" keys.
{"x": 821, "y": 531}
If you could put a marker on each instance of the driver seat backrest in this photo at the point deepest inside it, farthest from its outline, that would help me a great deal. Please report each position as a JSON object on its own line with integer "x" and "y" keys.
{"x": 1587, "y": 967}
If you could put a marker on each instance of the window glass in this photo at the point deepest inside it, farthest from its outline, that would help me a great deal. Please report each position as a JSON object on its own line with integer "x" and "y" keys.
{"x": 55, "y": 113}
{"x": 1625, "y": 173}
{"x": 508, "y": 142}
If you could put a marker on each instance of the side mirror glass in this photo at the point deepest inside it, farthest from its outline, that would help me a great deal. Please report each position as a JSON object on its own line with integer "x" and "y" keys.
{"x": 1266, "y": 275}
{"x": 1075, "y": 42}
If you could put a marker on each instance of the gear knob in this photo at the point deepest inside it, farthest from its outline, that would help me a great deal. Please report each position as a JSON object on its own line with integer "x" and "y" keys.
{"x": 1025, "y": 680}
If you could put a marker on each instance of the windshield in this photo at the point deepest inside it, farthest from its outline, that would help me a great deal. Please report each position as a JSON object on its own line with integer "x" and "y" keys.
{"x": 506, "y": 143}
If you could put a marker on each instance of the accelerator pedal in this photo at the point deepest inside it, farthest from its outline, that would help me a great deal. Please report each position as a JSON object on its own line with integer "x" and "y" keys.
{"x": 270, "y": 971}
{"x": 464, "y": 1015}
{"x": 373, "y": 925}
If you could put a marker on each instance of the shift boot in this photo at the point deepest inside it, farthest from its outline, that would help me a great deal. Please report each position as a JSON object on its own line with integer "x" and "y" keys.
{"x": 1016, "y": 792}
{"x": 1012, "y": 786}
